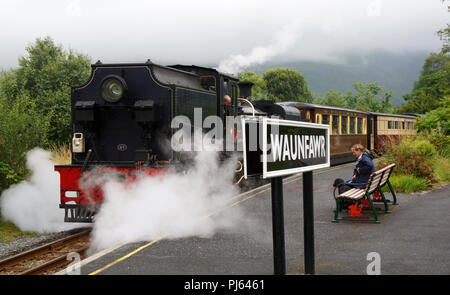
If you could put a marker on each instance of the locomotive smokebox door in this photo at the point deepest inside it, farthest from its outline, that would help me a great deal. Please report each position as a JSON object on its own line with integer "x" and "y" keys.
{"x": 146, "y": 111}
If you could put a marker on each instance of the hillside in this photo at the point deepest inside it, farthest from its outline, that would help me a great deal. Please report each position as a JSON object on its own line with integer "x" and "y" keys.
{"x": 396, "y": 72}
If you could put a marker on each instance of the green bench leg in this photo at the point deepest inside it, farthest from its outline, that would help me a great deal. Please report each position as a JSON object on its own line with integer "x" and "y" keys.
{"x": 393, "y": 193}
{"x": 336, "y": 213}
{"x": 375, "y": 215}
{"x": 386, "y": 207}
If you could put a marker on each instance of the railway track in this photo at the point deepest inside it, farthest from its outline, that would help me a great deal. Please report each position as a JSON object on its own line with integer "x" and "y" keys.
{"x": 47, "y": 259}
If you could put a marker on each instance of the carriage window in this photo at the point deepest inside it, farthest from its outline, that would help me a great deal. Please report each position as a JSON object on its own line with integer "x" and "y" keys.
{"x": 344, "y": 121}
{"x": 335, "y": 125}
{"x": 360, "y": 125}
{"x": 352, "y": 125}
{"x": 396, "y": 125}
{"x": 389, "y": 124}
{"x": 403, "y": 125}
{"x": 326, "y": 119}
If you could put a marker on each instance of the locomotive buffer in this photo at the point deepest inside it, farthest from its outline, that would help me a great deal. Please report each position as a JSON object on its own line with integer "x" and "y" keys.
{"x": 275, "y": 148}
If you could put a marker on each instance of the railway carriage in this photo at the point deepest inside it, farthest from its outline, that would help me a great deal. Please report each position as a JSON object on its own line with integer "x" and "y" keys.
{"x": 390, "y": 128}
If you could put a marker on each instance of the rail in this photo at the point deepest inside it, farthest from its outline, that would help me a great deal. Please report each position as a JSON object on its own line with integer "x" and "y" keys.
{"x": 48, "y": 258}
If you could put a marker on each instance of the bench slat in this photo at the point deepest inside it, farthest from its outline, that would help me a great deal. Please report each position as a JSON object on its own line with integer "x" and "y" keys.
{"x": 354, "y": 193}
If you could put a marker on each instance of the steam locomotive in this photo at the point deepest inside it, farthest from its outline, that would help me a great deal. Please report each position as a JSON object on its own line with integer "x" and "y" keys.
{"x": 122, "y": 123}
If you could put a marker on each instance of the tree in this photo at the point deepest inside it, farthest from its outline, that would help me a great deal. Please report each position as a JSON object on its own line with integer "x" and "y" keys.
{"x": 332, "y": 98}
{"x": 44, "y": 76}
{"x": 436, "y": 126}
{"x": 35, "y": 104}
{"x": 284, "y": 84}
{"x": 431, "y": 87}
{"x": 433, "y": 84}
{"x": 370, "y": 97}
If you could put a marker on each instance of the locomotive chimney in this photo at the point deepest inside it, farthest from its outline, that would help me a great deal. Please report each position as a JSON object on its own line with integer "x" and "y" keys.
{"x": 245, "y": 89}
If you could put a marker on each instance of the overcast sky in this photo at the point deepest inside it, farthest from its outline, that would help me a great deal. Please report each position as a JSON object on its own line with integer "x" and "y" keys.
{"x": 232, "y": 33}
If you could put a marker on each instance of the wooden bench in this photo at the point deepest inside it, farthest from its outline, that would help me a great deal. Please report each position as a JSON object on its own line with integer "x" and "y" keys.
{"x": 356, "y": 196}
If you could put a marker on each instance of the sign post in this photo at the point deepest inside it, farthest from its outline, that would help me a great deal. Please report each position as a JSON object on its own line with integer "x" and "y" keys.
{"x": 279, "y": 259}
{"x": 308, "y": 222}
{"x": 285, "y": 148}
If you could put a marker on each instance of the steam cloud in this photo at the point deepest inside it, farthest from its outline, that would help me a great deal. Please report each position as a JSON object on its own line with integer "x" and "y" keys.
{"x": 284, "y": 40}
{"x": 33, "y": 205}
{"x": 172, "y": 205}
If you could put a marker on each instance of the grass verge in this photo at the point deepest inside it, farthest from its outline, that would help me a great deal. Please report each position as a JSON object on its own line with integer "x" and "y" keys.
{"x": 8, "y": 232}
{"x": 407, "y": 183}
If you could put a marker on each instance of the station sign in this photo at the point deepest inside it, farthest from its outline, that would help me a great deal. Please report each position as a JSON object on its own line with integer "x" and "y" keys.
{"x": 274, "y": 147}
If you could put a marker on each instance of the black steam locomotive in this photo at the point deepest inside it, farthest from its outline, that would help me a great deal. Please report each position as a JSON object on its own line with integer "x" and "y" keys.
{"x": 121, "y": 120}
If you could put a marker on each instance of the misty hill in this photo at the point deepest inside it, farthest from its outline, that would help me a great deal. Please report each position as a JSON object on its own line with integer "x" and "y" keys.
{"x": 396, "y": 72}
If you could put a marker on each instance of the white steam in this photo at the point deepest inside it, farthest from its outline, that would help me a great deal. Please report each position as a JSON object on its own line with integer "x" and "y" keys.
{"x": 33, "y": 205}
{"x": 284, "y": 40}
{"x": 172, "y": 205}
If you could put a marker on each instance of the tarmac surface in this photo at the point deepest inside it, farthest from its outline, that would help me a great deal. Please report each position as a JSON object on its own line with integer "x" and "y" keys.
{"x": 412, "y": 240}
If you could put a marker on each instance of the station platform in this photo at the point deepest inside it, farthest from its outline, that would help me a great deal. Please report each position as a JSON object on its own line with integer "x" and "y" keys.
{"x": 412, "y": 240}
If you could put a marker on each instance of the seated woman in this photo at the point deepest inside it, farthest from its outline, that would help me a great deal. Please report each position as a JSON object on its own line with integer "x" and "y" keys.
{"x": 364, "y": 167}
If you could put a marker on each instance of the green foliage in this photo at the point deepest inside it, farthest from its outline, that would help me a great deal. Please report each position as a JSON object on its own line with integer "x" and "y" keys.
{"x": 8, "y": 176}
{"x": 8, "y": 232}
{"x": 23, "y": 128}
{"x": 366, "y": 97}
{"x": 435, "y": 125}
{"x": 332, "y": 99}
{"x": 444, "y": 35}
{"x": 442, "y": 169}
{"x": 412, "y": 156}
{"x": 35, "y": 104}
{"x": 437, "y": 119}
{"x": 284, "y": 84}
{"x": 433, "y": 84}
{"x": 49, "y": 68}
{"x": 44, "y": 77}
{"x": 370, "y": 97}
{"x": 407, "y": 183}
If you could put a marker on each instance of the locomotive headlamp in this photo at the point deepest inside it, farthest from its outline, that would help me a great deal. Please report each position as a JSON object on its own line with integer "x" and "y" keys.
{"x": 113, "y": 88}
{"x": 78, "y": 143}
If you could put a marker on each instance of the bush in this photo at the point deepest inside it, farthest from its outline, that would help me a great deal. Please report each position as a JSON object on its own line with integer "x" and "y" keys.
{"x": 412, "y": 156}
{"x": 408, "y": 183}
{"x": 442, "y": 169}
{"x": 440, "y": 141}
{"x": 22, "y": 129}
{"x": 8, "y": 176}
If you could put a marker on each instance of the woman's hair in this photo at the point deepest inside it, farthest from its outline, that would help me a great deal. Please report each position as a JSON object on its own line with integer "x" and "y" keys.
{"x": 359, "y": 147}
